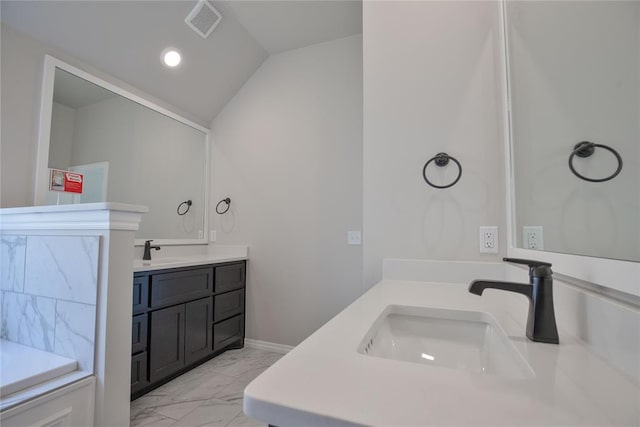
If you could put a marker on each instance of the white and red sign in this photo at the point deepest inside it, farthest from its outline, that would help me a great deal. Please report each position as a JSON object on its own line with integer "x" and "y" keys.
{"x": 69, "y": 182}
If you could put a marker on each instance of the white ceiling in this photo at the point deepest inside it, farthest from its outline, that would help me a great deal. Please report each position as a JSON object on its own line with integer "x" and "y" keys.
{"x": 125, "y": 39}
{"x": 284, "y": 25}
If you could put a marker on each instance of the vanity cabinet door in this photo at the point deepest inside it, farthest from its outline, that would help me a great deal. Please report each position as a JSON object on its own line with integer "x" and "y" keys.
{"x": 139, "y": 333}
{"x": 139, "y": 373}
{"x": 228, "y": 305}
{"x": 181, "y": 286}
{"x": 166, "y": 346}
{"x": 140, "y": 294}
{"x": 198, "y": 328}
{"x": 230, "y": 277}
{"x": 228, "y": 332}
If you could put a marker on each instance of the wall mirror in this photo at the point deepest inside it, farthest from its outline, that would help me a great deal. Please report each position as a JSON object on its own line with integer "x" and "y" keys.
{"x": 574, "y": 75}
{"x": 121, "y": 144}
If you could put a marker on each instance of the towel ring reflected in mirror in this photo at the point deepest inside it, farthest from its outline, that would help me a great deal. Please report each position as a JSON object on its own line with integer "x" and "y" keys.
{"x": 183, "y": 210}
{"x": 585, "y": 149}
{"x": 224, "y": 209}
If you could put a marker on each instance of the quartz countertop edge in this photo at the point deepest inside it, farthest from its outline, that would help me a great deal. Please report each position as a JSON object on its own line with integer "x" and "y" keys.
{"x": 325, "y": 381}
{"x": 184, "y": 261}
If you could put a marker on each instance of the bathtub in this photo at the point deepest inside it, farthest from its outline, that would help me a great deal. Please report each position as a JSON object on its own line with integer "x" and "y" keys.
{"x": 41, "y": 388}
{"x": 22, "y": 367}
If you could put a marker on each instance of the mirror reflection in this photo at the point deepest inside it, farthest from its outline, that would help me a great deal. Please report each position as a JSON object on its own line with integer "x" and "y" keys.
{"x": 122, "y": 148}
{"x": 575, "y": 76}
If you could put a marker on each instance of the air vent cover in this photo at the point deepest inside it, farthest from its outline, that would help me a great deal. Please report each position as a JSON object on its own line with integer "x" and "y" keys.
{"x": 203, "y": 19}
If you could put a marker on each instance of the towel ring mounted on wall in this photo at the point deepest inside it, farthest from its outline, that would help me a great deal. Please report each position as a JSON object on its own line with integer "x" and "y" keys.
{"x": 441, "y": 160}
{"x": 585, "y": 149}
{"x": 228, "y": 203}
{"x": 184, "y": 212}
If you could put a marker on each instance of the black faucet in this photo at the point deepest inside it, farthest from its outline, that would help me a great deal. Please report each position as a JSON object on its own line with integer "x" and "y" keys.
{"x": 147, "y": 250}
{"x": 541, "y": 323}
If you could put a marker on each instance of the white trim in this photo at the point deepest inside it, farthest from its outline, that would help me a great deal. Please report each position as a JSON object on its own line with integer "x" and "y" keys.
{"x": 47, "y": 397}
{"x": 89, "y": 216}
{"x": 44, "y": 131}
{"x": 620, "y": 275}
{"x": 267, "y": 346}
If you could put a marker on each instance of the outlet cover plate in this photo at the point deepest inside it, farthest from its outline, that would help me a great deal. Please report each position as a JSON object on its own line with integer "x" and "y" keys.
{"x": 488, "y": 239}
{"x": 532, "y": 237}
{"x": 354, "y": 238}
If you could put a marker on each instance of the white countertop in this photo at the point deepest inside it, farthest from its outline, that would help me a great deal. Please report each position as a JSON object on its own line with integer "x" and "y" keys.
{"x": 324, "y": 381}
{"x": 216, "y": 254}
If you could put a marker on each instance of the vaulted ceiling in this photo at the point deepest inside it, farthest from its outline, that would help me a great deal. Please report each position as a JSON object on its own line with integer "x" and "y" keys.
{"x": 125, "y": 39}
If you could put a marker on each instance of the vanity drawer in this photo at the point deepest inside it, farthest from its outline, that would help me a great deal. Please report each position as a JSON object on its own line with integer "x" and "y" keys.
{"x": 174, "y": 288}
{"x": 228, "y": 305}
{"x": 230, "y": 277}
{"x": 228, "y": 332}
{"x": 139, "y": 333}
{"x": 139, "y": 372}
{"x": 140, "y": 294}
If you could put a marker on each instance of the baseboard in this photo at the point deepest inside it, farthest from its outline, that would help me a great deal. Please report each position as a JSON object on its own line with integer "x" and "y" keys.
{"x": 268, "y": 346}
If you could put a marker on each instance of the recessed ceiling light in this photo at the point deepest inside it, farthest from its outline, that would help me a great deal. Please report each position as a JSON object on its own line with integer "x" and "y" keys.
{"x": 171, "y": 57}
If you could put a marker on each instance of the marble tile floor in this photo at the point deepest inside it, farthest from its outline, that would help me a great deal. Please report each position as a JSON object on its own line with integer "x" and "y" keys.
{"x": 209, "y": 395}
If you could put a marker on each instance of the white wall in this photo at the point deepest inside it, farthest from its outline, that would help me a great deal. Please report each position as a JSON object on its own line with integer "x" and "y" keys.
{"x": 575, "y": 76}
{"x": 288, "y": 151}
{"x": 431, "y": 84}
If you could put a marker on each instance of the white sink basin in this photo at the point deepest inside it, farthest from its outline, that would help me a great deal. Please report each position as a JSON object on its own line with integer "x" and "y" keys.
{"x": 467, "y": 340}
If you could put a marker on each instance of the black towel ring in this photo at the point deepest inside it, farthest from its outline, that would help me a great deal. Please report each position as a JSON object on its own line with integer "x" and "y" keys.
{"x": 585, "y": 149}
{"x": 227, "y": 201}
{"x": 186, "y": 202}
{"x": 441, "y": 160}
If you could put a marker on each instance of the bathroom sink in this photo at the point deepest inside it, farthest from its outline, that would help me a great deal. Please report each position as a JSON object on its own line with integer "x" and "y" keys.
{"x": 465, "y": 340}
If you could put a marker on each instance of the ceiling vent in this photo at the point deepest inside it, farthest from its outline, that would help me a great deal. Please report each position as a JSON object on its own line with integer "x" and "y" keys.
{"x": 203, "y": 19}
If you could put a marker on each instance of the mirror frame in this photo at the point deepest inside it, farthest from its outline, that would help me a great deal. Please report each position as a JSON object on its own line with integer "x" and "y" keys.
{"x": 44, "y": 134}
{"x": 623, "y": 276}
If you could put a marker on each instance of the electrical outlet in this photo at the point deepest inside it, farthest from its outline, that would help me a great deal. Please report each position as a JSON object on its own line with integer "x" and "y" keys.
{"x": 489, "y": 239}
{"x": 212, "y": 235}
{"x": 532, "y": 237}
{"x": 354, "y": 238}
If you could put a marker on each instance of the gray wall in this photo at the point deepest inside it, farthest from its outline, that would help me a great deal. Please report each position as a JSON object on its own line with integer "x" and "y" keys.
{"x": 431, "y": 84}
{"x": 288, "y": 151}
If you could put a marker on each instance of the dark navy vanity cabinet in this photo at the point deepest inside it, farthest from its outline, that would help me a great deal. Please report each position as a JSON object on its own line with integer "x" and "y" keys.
{"x": 183, "y": 317}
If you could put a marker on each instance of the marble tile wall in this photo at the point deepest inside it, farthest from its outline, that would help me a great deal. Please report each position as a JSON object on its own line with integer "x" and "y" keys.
{"x": 48, "y": 292}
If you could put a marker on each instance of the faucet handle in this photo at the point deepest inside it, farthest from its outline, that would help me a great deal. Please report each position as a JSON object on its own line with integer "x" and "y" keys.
{"x": 534, "y": 265}
{"x": 529, "y": 262}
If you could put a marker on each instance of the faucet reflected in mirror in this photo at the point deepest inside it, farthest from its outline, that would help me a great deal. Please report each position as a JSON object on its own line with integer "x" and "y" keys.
{"x": 541, "y": 322}
{"x": 147, "y": 250}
